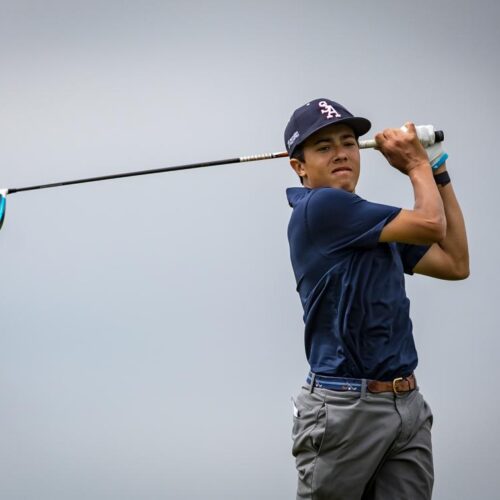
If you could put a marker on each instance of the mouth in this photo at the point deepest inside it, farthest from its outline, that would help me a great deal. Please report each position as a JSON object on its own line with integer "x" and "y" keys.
{"x": 341, "y": 170}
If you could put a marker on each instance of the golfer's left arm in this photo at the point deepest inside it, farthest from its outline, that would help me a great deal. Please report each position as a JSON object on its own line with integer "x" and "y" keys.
{"x": 449, "y": 258}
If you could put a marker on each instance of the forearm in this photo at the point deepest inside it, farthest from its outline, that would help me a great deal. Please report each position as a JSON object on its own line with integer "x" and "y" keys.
{"x": 428, "y": 201}
{"x": 426, "y": 223}
{"x": 454, "y": 244}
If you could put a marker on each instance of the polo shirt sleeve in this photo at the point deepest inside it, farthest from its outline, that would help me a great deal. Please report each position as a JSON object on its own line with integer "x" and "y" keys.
{"x": 337, "y": 220}
{"x": 410, "y": 255}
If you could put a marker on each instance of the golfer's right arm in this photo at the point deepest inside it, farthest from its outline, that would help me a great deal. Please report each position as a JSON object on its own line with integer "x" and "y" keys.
{"x": 426, "y": 223}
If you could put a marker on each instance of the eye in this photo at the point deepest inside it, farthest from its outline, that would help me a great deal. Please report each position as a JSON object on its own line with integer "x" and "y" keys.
{"x": 324, "y": 148}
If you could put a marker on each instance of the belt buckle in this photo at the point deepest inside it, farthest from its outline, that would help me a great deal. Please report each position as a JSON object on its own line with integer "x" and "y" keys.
{"x": 399, "y": 379}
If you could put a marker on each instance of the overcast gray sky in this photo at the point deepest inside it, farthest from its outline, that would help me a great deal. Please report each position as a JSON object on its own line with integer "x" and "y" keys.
{"x": 150, "y": 332}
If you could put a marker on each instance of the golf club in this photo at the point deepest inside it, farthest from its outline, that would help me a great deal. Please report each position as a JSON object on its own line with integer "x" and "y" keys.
{"x": 426, "y": 134}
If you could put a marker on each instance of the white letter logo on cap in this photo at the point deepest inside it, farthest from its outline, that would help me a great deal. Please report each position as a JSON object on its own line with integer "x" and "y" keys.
{"x": 329, "y": 110}
{"x": 293, "y": 138}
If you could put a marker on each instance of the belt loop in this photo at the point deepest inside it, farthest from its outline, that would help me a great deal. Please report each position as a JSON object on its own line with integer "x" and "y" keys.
{"x": 313, "y": 380}
{"x": 364, "y": 383}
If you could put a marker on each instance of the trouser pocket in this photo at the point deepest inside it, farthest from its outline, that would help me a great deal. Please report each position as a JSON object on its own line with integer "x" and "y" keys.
{"x": 308, "y": 431}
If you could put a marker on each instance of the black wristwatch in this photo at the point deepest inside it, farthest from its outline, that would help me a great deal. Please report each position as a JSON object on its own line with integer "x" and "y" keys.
{"x": 442, "y": 179}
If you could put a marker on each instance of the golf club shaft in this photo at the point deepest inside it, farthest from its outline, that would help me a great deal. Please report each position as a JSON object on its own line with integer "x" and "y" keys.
{"x": 228, "y": 161}
{"x": 370, "y": 143}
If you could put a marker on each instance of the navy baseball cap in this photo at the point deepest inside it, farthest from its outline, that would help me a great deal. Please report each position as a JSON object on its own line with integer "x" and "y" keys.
{"x": 317, "y": 114}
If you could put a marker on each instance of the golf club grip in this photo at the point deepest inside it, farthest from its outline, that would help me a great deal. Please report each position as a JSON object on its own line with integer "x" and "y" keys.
{"x": 370, "y": 143}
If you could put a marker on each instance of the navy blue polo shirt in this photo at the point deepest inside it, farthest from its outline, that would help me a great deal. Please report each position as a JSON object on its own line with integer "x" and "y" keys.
{"x": 352, "y": 289}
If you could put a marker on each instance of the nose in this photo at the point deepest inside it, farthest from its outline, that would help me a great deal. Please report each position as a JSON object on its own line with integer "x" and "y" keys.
{"x": 339, "y": 155}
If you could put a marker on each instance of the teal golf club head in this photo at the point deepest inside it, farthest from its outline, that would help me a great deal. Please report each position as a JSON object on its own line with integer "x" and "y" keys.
{"x": 3, "y": 203}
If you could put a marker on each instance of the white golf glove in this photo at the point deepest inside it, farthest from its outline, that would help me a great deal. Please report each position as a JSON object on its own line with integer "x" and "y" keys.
{"x": 436, "y": 154}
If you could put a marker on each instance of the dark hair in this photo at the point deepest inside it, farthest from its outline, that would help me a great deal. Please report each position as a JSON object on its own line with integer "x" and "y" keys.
{"x": 298, "y": 154}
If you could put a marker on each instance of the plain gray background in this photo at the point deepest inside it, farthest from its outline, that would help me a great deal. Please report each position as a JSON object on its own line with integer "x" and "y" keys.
{"x": 150, "y": 332}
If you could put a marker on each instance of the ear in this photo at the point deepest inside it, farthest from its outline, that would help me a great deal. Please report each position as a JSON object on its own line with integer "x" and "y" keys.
{"x": 298, "y": 166}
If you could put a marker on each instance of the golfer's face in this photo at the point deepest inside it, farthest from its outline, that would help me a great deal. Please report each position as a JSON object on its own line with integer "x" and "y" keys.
{"x": 331, "y": 159}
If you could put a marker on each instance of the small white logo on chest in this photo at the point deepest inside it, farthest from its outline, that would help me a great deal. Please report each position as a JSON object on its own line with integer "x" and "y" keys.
{"x": 329, "y": 110}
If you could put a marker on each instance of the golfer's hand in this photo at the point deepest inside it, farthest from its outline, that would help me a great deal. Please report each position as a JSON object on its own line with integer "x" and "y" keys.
{"x": 402, "y": 148}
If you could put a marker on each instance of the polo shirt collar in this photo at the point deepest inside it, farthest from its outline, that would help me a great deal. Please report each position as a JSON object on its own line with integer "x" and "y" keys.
{"x": 296, "y": 194}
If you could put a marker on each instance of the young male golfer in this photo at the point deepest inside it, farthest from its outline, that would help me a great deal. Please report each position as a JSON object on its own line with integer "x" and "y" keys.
{"x": 362, "y": 430}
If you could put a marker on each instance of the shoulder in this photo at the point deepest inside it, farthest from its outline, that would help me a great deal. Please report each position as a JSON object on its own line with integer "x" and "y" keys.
{"x": 332, "y": 195}
{"x": 331, "y": 199}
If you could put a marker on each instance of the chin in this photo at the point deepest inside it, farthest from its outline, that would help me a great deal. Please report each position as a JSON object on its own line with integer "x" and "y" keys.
{"x": 347, "y": 186}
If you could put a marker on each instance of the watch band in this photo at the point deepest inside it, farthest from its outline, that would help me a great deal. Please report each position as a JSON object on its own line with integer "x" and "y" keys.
{"x": 442, "y": 179}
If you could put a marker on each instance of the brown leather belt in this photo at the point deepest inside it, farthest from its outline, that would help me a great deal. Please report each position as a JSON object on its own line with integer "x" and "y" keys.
{"x": 400, "y": 384}
{"x": 396, "y": 386}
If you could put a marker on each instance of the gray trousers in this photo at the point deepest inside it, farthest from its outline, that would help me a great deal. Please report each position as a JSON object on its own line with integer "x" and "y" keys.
{"x": 362, "y": 446}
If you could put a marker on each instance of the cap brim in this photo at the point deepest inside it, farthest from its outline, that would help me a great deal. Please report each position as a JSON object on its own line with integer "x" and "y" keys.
{"x": 360, "y": 125}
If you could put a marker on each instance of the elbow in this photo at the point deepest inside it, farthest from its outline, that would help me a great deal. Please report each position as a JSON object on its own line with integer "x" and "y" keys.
{"x": 458, "y": 275}
{"x": 458, "y": 270}
{"x": 464, "y": 275}
{"x": 462, "y": 271}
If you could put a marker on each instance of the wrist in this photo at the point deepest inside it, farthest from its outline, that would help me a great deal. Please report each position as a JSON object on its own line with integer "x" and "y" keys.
{"x": 436, "y": 154}
{"x": 442, "y": 178}
{"x": 439, "y": 170}
{"x": 418, "y": 166}
{"x": 437, "y": 162}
